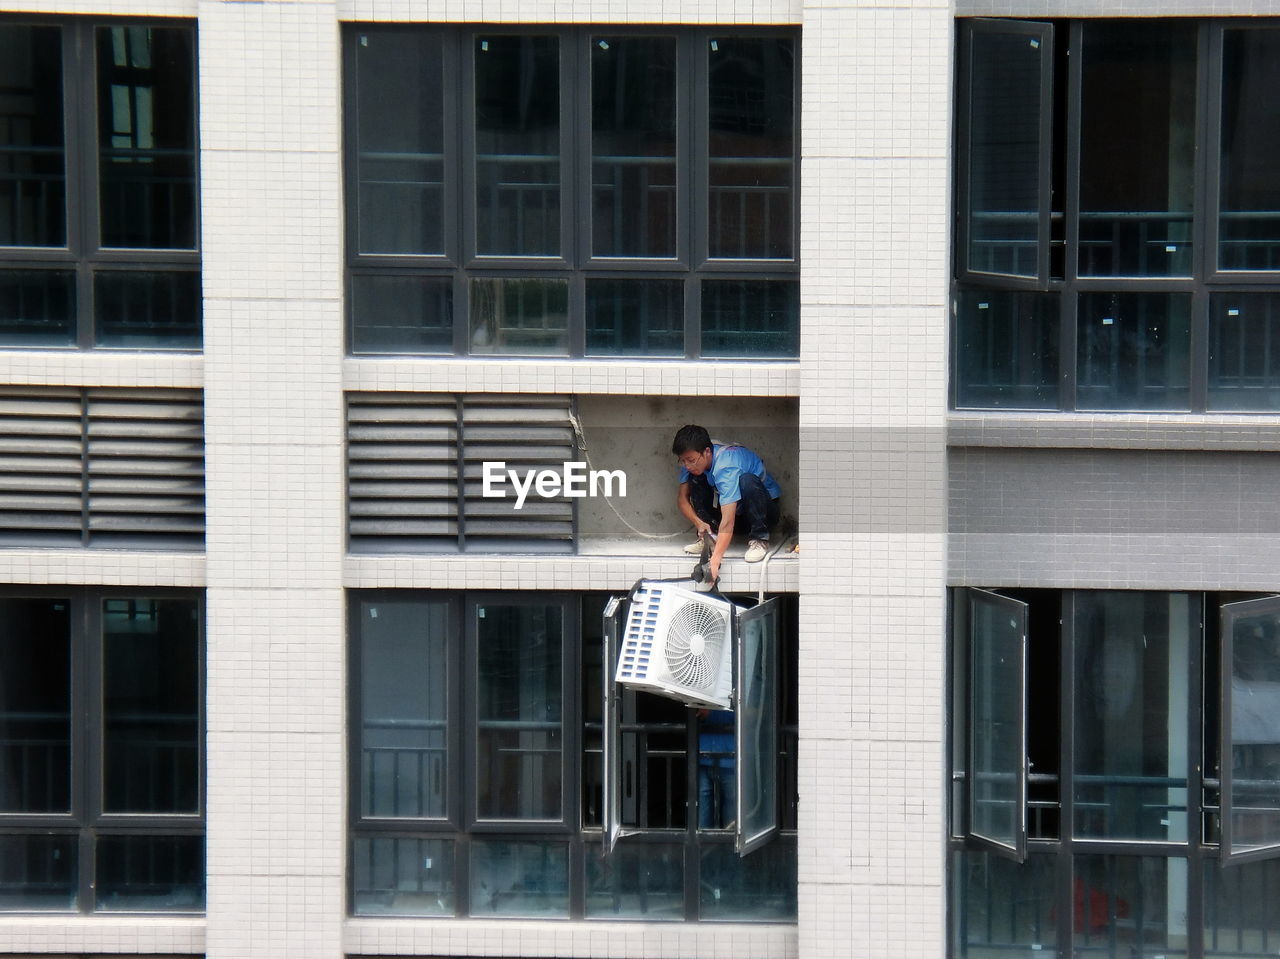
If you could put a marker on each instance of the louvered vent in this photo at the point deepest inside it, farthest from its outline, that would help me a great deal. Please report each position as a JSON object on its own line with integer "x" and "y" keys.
{"x": 102, "y": 467}
{"x": 406, "y": 453}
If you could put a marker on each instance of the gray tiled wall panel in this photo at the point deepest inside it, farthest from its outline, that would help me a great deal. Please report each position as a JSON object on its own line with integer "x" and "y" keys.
{"x": 1114, "y": 519}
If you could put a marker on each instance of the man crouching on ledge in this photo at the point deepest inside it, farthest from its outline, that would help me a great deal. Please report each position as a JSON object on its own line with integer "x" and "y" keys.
{"x": 748, "y": 495}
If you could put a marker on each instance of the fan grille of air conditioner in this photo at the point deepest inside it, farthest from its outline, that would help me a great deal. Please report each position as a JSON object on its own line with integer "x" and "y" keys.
{"x": 677, "y": 643}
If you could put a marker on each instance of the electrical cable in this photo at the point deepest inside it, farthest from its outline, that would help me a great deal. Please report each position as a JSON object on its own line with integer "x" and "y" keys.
{"x": 582, "y": 448}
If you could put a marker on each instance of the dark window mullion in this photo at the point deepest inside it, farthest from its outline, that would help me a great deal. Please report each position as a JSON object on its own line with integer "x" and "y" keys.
{"x": 465, "y": 99}
{"x": 693, "y": 316}
{"x": 692, "y": 845}
{"x": 1066, "y": 771}
{"x": 91, "y": 622}
{"x": 1068, "y": 339}
{"x": 1199, "y": 359}
{"x": 1075, "y": 81}
{"x": 455, "y": 88}
{"x": 697, "y": 137}
{"x": 80, "y": 133}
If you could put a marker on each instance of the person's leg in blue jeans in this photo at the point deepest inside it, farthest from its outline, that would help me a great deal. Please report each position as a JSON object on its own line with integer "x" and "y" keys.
{"x": 759, "y": 511}
{"x": 702, "y": 499}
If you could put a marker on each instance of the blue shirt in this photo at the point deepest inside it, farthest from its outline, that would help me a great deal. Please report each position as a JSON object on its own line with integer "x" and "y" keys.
{"x": 728, "y": 463}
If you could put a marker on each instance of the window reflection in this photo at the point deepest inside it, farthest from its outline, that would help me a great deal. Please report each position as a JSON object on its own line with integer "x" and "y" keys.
{"x": 151, "y": 706}
{"x": 750, "y": 142}
{"x": 633, "y": 137}
{"x": 1137, "y": 148}
{"x": 33, "y": 188}
{"x": 1249, "y": 219}
{"x": 1131, "y": 749}
{"x": 519, "y": 712}
{"x": 1133, "y": 351}
{"x": 146, "y": 131}
{"x": 517, "y": 145}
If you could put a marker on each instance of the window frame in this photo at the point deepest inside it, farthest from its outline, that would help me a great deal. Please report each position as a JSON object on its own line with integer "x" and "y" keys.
{"x": 1208, "y": 622}
{"x": 1228, "y": 614}
{"x": 1205, "y": 281}
{"x": 1037, "y": 32}
{"x": 86, "y": 819}
{"x": 966, "y": 600}
{"x": 581, "y": 833}
{"x": 83, "y": 254}
{"x": 461, "y": 264}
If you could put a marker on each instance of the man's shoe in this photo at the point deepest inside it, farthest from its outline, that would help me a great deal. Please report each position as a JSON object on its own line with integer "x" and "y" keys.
{"x": 756, "y": 550}
{"x": 694, "y": 548}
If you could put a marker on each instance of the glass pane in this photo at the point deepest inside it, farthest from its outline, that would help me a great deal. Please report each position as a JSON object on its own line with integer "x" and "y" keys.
{"x": 141, "y": 309}
{"x": 1129, "y": 906}
{"x": 1249, "y": 217}
{"x": 1004, "y": 151}
{"x": 151, "y": 705}
{"x": 38, "y": 872}
{"x": 750, "y": 318}
{"x": 633, "y": 146}
{"x": 1007, "y": 350}
{"x": 635, "y": 317}
{"x": 150, "y": 873}
{"x": 638, "y": 881}
{"x": 399, "y": 87}
{"x": 1244, "y": 351}
{"x": 147, "y": 136}
{"x": 1240, "y": 916}
{"x": 401, "y": 314}
{"x": 997, "y": 743}
{"x": 33, "y": 178}
{"x": 1133, "y": 351}
{"x": 35, "y": 705}
{"x": 37, "y": 307}
{"x": 717, "y": 769}
{"x": 1132, "y": 662}
{"x": 1137, "y": 148}
{"x": 403, "y": 877}
{"x": 404, "y": 701}
{"x": 519, "y": 713}
{"x": 760, "y": 887}
{"x": 528, "y": 879}
{"x": 1003, "y": 907}
{"x": 751, "y": 142}
{"x": 756, "y": 690}
{"x": 1254, "y": 727}
{"x": 517, "y": 146}
{"x": 528, "y": 316}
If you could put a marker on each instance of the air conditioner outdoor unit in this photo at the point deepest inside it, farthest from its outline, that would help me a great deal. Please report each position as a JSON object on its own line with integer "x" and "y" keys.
{"x": 679, "y": 643}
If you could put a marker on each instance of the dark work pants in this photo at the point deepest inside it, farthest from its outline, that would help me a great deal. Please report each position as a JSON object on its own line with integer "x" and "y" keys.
{"x": 757, "y": 510}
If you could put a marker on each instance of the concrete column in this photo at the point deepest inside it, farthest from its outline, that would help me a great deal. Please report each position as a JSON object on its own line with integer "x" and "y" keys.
{"x": 875, "y": 244}
{"x": 272, "y": 262}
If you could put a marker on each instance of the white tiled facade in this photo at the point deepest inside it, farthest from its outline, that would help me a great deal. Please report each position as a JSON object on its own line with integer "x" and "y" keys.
{"x": 875, "y": 108}
{"x": 871, "y": 382}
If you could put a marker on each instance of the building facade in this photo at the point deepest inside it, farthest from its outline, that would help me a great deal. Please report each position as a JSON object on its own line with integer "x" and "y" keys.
{"x": 988, "y": 285}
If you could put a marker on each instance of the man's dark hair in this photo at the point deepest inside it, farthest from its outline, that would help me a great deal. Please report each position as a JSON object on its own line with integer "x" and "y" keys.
{"x": 691, "y": 439}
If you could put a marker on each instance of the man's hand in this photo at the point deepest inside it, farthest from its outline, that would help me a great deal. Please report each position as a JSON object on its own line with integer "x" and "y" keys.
{"x": 714, "y": 565}
{"x": 704, "y": 529}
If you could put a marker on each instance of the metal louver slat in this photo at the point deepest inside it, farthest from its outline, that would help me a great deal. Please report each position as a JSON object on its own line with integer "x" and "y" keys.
{"x": 406, "y": 459}
{"x": 145, "y": 466}
{"x": 402, "y": 471}
{"x": 41, "y": 449}
{"x": 527, "y": 433}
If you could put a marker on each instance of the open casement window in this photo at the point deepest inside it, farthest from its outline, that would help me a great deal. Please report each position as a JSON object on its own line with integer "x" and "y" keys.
{"x": 1250, "y": 773}
{"x": 756, "y": 708}
{"x": 615, "y": 620}
{"x": 997, "y": 747}
{"x": 755, "y": 705}
{"x": 1006, "y": 128}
